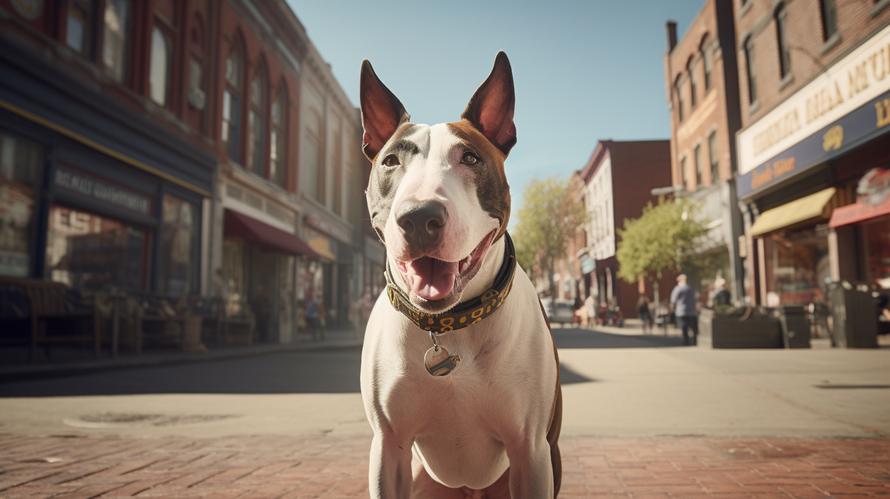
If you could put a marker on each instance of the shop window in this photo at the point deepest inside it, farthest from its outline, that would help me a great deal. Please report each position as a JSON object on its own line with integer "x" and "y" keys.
{"x": 707, "y": 62}
{"x": 678, "y": 91}
{"x": 877, "y": 246}
{"x": 828, "y": 9}
{"x": 89, "y": 251}
{"x": 177, "y": 270}
{"x": 256, "y": 122}
{"x": 115, "y": 38}
{"x": 231, "y": 117}
{"x": 278, "y": 138}
{"x": 696, "y": 159}
{"x": 79, "y": 26}
{"x": 693, "y": 90}
{"x": 748, "y": 47}
{"x": 159, "y": 72}
{"x": 20, "y": 164}
{"x": 713, "y": 157}
{"x": 797, "y": 267}
{"x": 780, "y": 17}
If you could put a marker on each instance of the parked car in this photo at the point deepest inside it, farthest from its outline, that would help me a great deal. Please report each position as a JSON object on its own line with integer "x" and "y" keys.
{"x": 559, "y": 312}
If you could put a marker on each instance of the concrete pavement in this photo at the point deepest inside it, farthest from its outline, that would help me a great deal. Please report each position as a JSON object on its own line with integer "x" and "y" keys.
{"x": 642, "y": 416}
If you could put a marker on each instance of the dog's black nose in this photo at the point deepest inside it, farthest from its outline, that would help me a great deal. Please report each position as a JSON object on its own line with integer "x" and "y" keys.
{"x": 422, "y": 223}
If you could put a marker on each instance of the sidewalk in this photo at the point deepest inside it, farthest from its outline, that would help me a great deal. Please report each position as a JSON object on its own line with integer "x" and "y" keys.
{"x": 336, "y": 339}
{"x": 335, "y": 467}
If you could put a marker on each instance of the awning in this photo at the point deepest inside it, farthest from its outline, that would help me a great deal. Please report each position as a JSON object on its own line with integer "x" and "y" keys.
{"x": 795, "y": 212}
{"x": 858, "y": 212}
{"x": 322, "y": 247}
{"x": 263, "y": 234}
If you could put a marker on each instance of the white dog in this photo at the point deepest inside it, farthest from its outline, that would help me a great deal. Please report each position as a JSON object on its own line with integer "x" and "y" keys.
{"x": 459, "y": 370}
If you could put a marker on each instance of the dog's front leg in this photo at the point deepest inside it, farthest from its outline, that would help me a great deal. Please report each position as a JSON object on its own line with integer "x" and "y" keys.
{"x": 531, "y": 473}
{"x": 389, "y": 474}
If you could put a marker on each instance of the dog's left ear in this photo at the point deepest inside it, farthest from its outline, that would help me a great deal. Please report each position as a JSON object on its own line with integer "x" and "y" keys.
{"x": 382, "y": 112}
{"x": 491, "y": 108}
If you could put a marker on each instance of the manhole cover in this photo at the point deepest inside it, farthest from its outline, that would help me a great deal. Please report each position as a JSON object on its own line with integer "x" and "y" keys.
{"x": 118, "y": 419}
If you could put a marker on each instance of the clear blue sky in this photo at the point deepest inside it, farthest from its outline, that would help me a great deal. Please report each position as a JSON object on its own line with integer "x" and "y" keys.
{"x": 584, "y": 69}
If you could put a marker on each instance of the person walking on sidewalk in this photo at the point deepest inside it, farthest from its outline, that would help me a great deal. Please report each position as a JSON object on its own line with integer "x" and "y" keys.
{"x": 645, "y": 313}
{"x": 683, "y": 303}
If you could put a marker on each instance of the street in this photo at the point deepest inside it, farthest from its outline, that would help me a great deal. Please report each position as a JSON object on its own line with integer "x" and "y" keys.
{"x": 642, "y": 416}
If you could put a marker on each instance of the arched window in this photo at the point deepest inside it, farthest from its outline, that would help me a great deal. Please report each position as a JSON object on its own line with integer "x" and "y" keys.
{"x": 159, "y": 71}
{"x": 678, "y": 90}
{"x": 707, "y": 63}
{"x": 748, "y": 47}
{"x": 278, "y": 138}
{"x": 256, "y": 122}
{"x": 231, "y": 115}
{"x": 690, "y": 70}
{"x": 780, "y": 17}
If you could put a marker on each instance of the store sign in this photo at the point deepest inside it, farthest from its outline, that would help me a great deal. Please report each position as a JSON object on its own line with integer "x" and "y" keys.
{"x": 853, "y": 81}
{"x": 861, "y": 125}
{"x": 100, "y": 190}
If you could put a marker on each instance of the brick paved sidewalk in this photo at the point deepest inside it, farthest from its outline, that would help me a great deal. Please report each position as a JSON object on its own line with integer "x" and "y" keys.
{"x": 325, "y": 467}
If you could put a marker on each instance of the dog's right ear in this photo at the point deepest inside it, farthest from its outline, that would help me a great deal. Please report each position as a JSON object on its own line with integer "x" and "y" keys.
{"x": 382, "y": 113}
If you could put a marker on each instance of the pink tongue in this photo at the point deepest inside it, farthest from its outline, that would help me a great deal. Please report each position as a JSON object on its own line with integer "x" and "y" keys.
{"x": 431, "y": 279}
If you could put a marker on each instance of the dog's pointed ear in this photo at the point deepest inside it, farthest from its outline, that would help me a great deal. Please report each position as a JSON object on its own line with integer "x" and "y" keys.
{"x": 491, "y": 108}
{"x": 382, "y": 113}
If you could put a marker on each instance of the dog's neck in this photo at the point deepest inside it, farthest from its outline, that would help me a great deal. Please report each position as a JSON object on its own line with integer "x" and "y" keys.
{"x": 481, "y": 282}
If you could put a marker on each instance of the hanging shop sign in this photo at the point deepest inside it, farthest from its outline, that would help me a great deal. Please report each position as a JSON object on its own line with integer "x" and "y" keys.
{"x": 859, "y": 126}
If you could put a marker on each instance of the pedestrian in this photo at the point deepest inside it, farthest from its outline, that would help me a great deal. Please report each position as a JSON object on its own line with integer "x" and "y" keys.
{"x": 590, "y": 308}
{"x": 312, "y": 317}
{"x": 684, "y": 306}
{"x": 721, "y": 296}
{"x": 645, "y": 313}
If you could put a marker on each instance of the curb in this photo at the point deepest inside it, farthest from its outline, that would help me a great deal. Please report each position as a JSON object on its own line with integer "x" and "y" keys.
{"x": 38, "y": 371}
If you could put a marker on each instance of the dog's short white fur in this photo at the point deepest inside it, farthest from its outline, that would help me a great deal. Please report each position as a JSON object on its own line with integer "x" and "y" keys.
{"x": 445, "y": 436}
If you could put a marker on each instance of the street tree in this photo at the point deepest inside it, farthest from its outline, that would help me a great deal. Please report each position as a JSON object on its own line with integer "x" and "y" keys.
{"x": 547, "y": 220}
{"x": 664, "y": 238}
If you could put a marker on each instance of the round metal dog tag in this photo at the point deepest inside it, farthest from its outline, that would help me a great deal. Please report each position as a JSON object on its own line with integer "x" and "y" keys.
{"x": 439, "y": 362}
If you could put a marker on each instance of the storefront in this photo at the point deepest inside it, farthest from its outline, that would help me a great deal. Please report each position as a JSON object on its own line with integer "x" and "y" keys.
{"x": 94, "y": 195}
{"x": 331, "y": 274}
{"x": 799, "y": 170}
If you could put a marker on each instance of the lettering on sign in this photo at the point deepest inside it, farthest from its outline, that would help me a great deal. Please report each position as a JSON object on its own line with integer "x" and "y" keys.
{"x": 833, "y": 138}
{"x": 882, "y": 111}
{"x": 850, "y": 83}
{"x": 102, "y": 191}
{"x": 773, "y": 171}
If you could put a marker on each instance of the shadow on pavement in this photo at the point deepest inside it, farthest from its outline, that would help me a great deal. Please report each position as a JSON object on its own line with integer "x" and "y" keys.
{"x": 586, "y": 338}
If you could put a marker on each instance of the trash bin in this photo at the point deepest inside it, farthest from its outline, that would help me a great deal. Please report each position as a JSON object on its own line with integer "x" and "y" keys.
{"x": 854, "y": 316}
{"x": 795, "y": 326}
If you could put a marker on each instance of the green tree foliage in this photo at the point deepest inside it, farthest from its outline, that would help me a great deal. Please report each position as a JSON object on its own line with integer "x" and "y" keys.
{"x": 665, "y": 237}
{"x": 547, "y": 220}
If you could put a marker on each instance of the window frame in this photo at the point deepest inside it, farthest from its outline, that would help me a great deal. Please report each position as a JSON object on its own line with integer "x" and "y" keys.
{"x": 780, "y": 19}
{"x": 256, "y": 154}
{"x": 707, "y": 62}
{"x": 278, "y": 133}
{"x": 713, "y": 157}
{"x": 696, "y": 159}
{"x": 167, "y": 34}
{"x": 693, "y": 90}
{"x": 235, "y": 92}
{"x": 678, "y": 90}
{"x": 828, "y": 19}
{"x": 126, "y": 41}
{"x": 750, "y": 73}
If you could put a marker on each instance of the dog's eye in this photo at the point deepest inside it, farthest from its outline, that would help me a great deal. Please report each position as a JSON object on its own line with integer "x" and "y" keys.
{"x": 469, "y": 158}
{"x": 391, "y": 160}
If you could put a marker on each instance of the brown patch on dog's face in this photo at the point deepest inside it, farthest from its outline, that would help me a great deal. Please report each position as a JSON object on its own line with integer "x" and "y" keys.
{"x": 492, "y": 189}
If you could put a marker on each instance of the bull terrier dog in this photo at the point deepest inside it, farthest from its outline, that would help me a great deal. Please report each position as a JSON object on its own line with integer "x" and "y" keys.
{"x": 459, "y": 376}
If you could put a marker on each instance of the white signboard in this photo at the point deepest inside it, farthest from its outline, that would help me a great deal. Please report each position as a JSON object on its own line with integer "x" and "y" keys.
{"x": 854, "y": 80}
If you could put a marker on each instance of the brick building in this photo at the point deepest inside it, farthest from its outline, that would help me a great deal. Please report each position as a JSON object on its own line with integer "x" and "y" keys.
{"x": 618, "y": 180}
{"x": 701, "y": 79}
{"x": 161, "y": 147}
{"x": 814, "y": 150}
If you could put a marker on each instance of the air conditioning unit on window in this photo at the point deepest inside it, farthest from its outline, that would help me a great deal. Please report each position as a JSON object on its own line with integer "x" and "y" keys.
{"x": 196, "y": 98}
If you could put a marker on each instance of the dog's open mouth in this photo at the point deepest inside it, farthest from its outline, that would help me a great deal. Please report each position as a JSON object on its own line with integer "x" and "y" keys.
{"x": 432, "y": 280}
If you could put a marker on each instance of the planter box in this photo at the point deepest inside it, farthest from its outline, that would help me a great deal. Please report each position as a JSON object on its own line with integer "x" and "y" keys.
{"x": 740, "y": 330}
